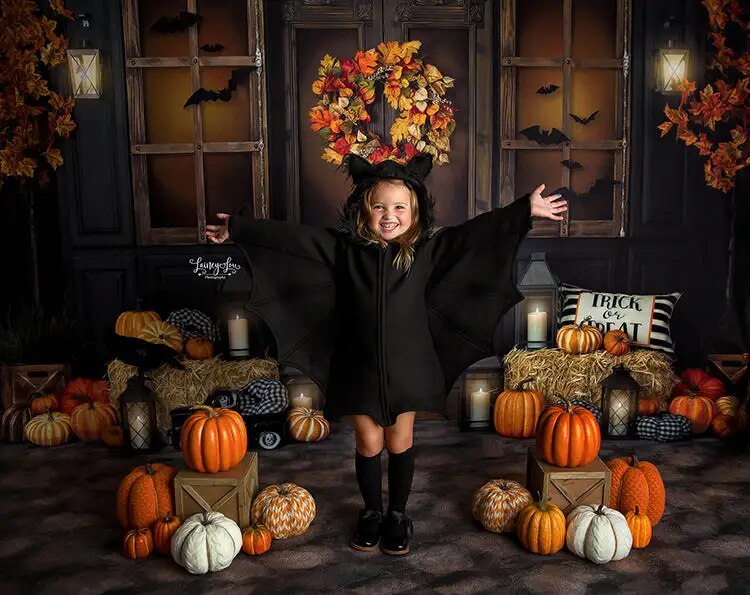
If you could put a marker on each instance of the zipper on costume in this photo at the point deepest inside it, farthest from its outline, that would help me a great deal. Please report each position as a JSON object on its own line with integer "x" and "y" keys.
{"x": 381, "y": 333}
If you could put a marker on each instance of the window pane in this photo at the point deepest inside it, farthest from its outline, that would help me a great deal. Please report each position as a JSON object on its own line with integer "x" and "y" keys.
{"x": 225, "y": 120}
{"x": 165, "y": 91}
{"x": 171, "y": 189}
{"x": 594, "y": 89}
{"x": 156, "y": 43}
{"x": 534, "y": 108}
{"x": 594, "y": 29}
{"x": 595, "y": 199}
{"x": 539, "y": 28}
{"x": 229, "y": 182}
{"x": 223, "y": 22}
{"x": 538, "y": 167}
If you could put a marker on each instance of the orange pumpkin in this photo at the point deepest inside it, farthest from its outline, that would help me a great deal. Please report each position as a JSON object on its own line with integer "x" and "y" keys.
{"x": 162, "y": 333}
{"x": 733, "y": 407}
{"x": 636, "y": 483}
{"x": 307, "y": 425}
{"x": 90, "y": 418}
{"x": 145, "y": 495}
{"x": 517, "y": 411}
{"x": 98, "y": 390}
{"x": 130, "y": 323}
{"x": 113, "y": 436}
{"x": 138, "y": 543}
{"x": 579, "y": 338}
{"x": 541, "y": 527}
{"x": 41, "y": 403}
{"x": 695, "y": 380}
{"x": 649, "y": 406}
{"x": 616, "y": 342}
{"x": 640, "y": 528}
{"x": 256, "y": 540}
{"x": 726, "y": 426}
{"x": 567, "y": 436}
{"x": 199, "y": 348}
{"x": 213, "y": 440}
{"x": 698, "y": 409}
{"x": 163, "y": 530}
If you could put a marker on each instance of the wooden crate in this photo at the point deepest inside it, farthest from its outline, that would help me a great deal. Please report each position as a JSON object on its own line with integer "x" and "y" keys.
{"x": 229, "y": 492}
{"x": 19, "y": 382}
{"x": 568, "y": 487}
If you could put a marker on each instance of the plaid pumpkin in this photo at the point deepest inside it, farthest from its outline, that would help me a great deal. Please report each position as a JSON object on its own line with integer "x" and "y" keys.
{"x": 262, "y": 397}
{"x": 664, "y": 427}
{"x": 194, "y": 323}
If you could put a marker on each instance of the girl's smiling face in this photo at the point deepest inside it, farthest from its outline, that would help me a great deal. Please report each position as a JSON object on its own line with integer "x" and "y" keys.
{"x": 390, "y": 213}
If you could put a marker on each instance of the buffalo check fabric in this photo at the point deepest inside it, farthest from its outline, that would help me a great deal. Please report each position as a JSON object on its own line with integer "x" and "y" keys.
{"x": 194, "y": 323}
{"x": 664, "y": 427}
{"x": 262, "y": 397}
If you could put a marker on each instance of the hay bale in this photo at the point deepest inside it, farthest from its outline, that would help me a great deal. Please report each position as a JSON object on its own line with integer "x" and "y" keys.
{"x": 191, "y": 386}
{"x": 560, "y": 374}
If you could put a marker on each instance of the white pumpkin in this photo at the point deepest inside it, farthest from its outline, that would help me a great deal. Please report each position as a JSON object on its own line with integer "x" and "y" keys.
{"x": 206, "y": 542}
{"x": 599, "y": 534}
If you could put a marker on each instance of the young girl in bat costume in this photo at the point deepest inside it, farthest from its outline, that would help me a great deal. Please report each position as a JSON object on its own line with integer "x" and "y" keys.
{"x": 385, "y": 313}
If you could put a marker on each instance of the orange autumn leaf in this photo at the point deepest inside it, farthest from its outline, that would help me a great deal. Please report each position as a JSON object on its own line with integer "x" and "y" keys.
{"x": 408, "y": 49}
{"x": 665, "y": 127}
{"x": 54, "y": 157}
{"x": 390, "y": 50}
{"x": 318, "y": 86}
{"x": 367, "y": 61}
{"x": 319, "y": 118}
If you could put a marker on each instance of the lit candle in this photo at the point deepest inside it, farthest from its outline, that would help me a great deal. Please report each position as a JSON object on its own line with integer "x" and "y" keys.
{"x": 302, "y": 401}
{"x": 619, "y": 413}
{"x": 537, "y": 328}
{"x": 479, "y": 406}
{"x": 140, "y": 435}
{"x": 239, "y": 343}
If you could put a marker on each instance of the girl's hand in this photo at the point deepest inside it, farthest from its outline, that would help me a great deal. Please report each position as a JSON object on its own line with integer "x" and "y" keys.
{"x": 547, "y": 206}
{"x": 219, "y": 233}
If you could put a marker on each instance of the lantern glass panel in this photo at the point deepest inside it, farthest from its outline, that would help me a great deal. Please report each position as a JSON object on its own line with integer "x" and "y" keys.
{"x": 619, "y": 404}
{"x": 85, "y": 73}
{"x": 480, "y": 388}
{"x": 536, "y": 315}
{"x": 672, "y": 68}
{"x": 303, "y": 392}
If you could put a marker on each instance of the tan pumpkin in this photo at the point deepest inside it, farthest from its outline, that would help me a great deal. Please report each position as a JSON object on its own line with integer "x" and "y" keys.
{"x": 113, "y": 436}
{"x": 699, "y": 409}
{"x": 541, "y": 527}
{"x": 130, "y": 322}
{"x": 307, "y": 425}
{"x": 138, "y": 543}
{"x": 199, "y": 348}
{"x": 90, "y": 418}
{"x": 145, "y": 495}
{"x": 579, "y": 338}
{"x": 733, "y": 407}
{"x": 163, "y": 531}
{"x": 41, "y": 403}
{"x": 213, "y": 439}
{"x": 256, "y": 540}
{"x": 517, "y": 411}
{"x": 286, "y": 510}
{"x": 14, "y": 422}
{"x": 640, "y": 528}
{"x": 162, "y": 333}
{"x": 616, "y": 342}
{"x": 49, "y": 429}
{"x": 497, "y": 504}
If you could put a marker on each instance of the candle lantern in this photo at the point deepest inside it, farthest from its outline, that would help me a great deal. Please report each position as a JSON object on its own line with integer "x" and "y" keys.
{"x": 138, "y": 415}
{"x": 243, "y": 330}
{"x": 479, "y": 387}
{"x": 303, "y": 392}
{"x": 536, "y": 315}
{"x": 619, "y": 404}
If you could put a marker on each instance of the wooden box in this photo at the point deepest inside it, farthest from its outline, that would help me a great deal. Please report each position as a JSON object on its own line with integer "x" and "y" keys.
{"x": 19, "y": 382}
{"x": 229, "y": 492}
{"x": 568, "y": 487}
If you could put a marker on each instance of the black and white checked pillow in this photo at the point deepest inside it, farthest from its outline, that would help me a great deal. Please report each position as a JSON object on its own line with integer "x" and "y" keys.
{"x": 262, "y": 397}
{"x": 645, "y": 318}
{"x": 664, "y": 427}
{"x": 194, "y": 323}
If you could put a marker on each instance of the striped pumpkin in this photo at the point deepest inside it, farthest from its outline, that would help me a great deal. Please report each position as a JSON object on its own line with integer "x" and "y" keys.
{"x": 517, "y": 411}
{"x": 162, "y": 333}
{"x": 130, "y": 323}
{"x": 138, "y": 543}
{"x": 49, "y": 429}
{"x": 13, "y": 423}
{"x": 700, "y": 410}
{"x": 497, "y": 504}
{"x": 91, "y": 418}
{"x": 579, "y": 338}
{"x": 308, "y": 425}
{"x": 286, "y": 510}
{"x": 733, "y": 407}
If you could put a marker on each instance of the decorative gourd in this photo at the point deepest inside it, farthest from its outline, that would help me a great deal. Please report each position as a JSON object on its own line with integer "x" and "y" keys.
{"x": 145, "y": 495}
{"x": 599, "y": 534}
{"x": 733, "y": 407}
{"x": 130, "y": 322}
{"x": 700, "y": 410}
{"x": 497, "y": 504}
{"x": 97, "y": 390}
{"x": 256, "y": 540}
{"x": 41, "y": 403}
{"x": 91, "y": 418}
{"x": 164, "y": 529}
{"x": 637, "y": 483}
{"x": 49, "y": 429}
{"x": 206, "y": 542}
{"x": 581, "y": 403}
{"x": 640, "y": 528}
{"x": 695, "y": 380}
{"x": 213, "y": 439}
{"x": 113, "y": 436}
{"x": 649, "y": 406}
{"x": 579, "y": 338}
{"x": 726, "y": 426}
{"x": 162, "y": 333}
{"x": 14, "y": 422}
{"x": 616, "y": 342}
{"x": 138, "y": 543}
{"x": 307, "y": 425}
{"x": 541, "y": 527}
{"x": 199, "y": 348}
{"x": 517, "y": 411}
{"x": 567, "y": 436}
{"x": 286, "y": 510}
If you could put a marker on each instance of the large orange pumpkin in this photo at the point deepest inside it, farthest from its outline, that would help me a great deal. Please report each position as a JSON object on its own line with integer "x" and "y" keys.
{"x": 697, "y": 381}
{"x": 579, "y": 338}
{"x": 700, "y": 410}
{"x": 307, "y": 425}
{"x": 256, "y": 540}
{"x": 567, "y": 436}
{"x": 91, "y": 418}
{"x": 138, "y": 543}
{"x": 130, "y": 323}
{"x": 517, "y": 411}
{"x": 213, "y": 440}
{"x": 162, "y": 333}
{"x": 636, "y": 483}
{"x": 145, "y": 495}
{"x": 616, "y": 342}
{"x": 98, "y": 390}
{"x": 163, "y": 530}
{"x": 41, "y": 403}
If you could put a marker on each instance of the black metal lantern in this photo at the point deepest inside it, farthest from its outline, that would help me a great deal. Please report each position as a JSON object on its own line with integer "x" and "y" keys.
{"x": 242, "y": 329}
{"x": 536, "y": 315}
{"x": 302, "y": 391}
{"x": 619, "y": 404}
{"x": 138, "y": 415}
{"x": 479, "y": 387}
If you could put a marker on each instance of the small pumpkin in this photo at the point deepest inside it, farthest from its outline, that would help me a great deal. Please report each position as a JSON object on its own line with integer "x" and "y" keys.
{"x": 97, "y": 390}
{"x": 599, "y": 534}
{"x": 541, "y": 527}
{"x": 579, "y": 338}
{"x": 650, "y": 406}
{"x": 636, "y": 483}
{"x": 726, "y": 426}
{"x": 164, "y": 529}
{"x": 206, "y": 542}
{"x": 733, "y": 407}
{"x": 40, "y": 403}
{"x": 49, "y": 429}
{"x": 14, "y": 422}
{"x": 199, "y": 348}
{"x": 130, "y": 322}
{"x": 695, "y": 380}
{"x": 616, "y": 342}
{"x": 213, "y": 439}
{"x": 256, "y": 540}
{"x": 145, "y": 495}
{"x": 138, "y": 543}
{"x": 640, "y": 528}
{"x": 286, "y": 510}
{"x": 699, "y": 409}
{"x": 113, "y": 436}
{"x": 517, "y": 411}
{"x": 497, "y": 504}
{"x": 568, "y": 436}
{"x": 161, "y": 333}
{"x": 307, "y": 425}
{"x": 91, "y": 418}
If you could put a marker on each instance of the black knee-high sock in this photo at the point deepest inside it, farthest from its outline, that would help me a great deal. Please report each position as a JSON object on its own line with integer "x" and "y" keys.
{"x": 400, "y": 475}
{"x": 369, "y": 477}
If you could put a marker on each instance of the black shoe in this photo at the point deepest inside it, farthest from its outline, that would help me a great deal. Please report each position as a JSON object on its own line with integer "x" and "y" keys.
{"x": 394, "y": 539}
{"x": 367, "y": 536}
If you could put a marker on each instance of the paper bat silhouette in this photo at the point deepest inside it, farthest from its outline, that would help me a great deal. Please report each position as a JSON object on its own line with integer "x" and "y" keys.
{"x": 239, "y": 76}
{"x": 184, "y": 21}
{"x": 571, "y": 164}
{"x": 584, "y": 121}
{"x": 544, "y": 137}
{"x": 600, "y": 190}
{"x": 547, "y": 90}
{"x": 212, "y": 47}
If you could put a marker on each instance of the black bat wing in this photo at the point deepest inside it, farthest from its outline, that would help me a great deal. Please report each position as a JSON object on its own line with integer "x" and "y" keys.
{"x": 212, "y": 47}
{"x": 546, "y": 90}
{"x": 533, "y": 133}
{"x": 203, "y": 95}
{"x": 184, "y": 21}
{"x": 572, "y": 164}
{"x": 586, "y": 120}
{"x": 566, "y": 193}
{"x": 601, "y": 188}
{"x": 239, "y": 75}
{"x": 591, "y": 118}
{"x": 555, "y": 137}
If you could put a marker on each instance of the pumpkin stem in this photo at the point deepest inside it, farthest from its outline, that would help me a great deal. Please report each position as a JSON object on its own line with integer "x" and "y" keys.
{"x": 637, "y": 512}
{"x": 599, "y": 511}
{"x": 49, "y": 413}
{"x": 168, "y": 516}
{"x": 211, "y": 410}
{"x": 524, "y": 381}
{"x": 85, "y": 399}
{"x": 149, "y": 469}
{"x": 634, "y": 462}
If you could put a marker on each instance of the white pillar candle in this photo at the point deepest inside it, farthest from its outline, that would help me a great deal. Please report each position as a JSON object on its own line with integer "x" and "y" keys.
{"x": 479, "y": 406}
{"x": 537, "y": 327}
{"x": 619, "y": 413}
{"x": 140, "y": 437}
{"x": 239, "y": 341}
{"x": 302, "y": 401}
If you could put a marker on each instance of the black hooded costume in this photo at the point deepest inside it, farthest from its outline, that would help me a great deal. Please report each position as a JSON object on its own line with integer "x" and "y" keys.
{"x": 376, "y": 340}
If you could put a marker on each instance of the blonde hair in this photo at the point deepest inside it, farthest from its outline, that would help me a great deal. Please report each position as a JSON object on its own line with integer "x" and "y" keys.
{"x": 405, "y": 257}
